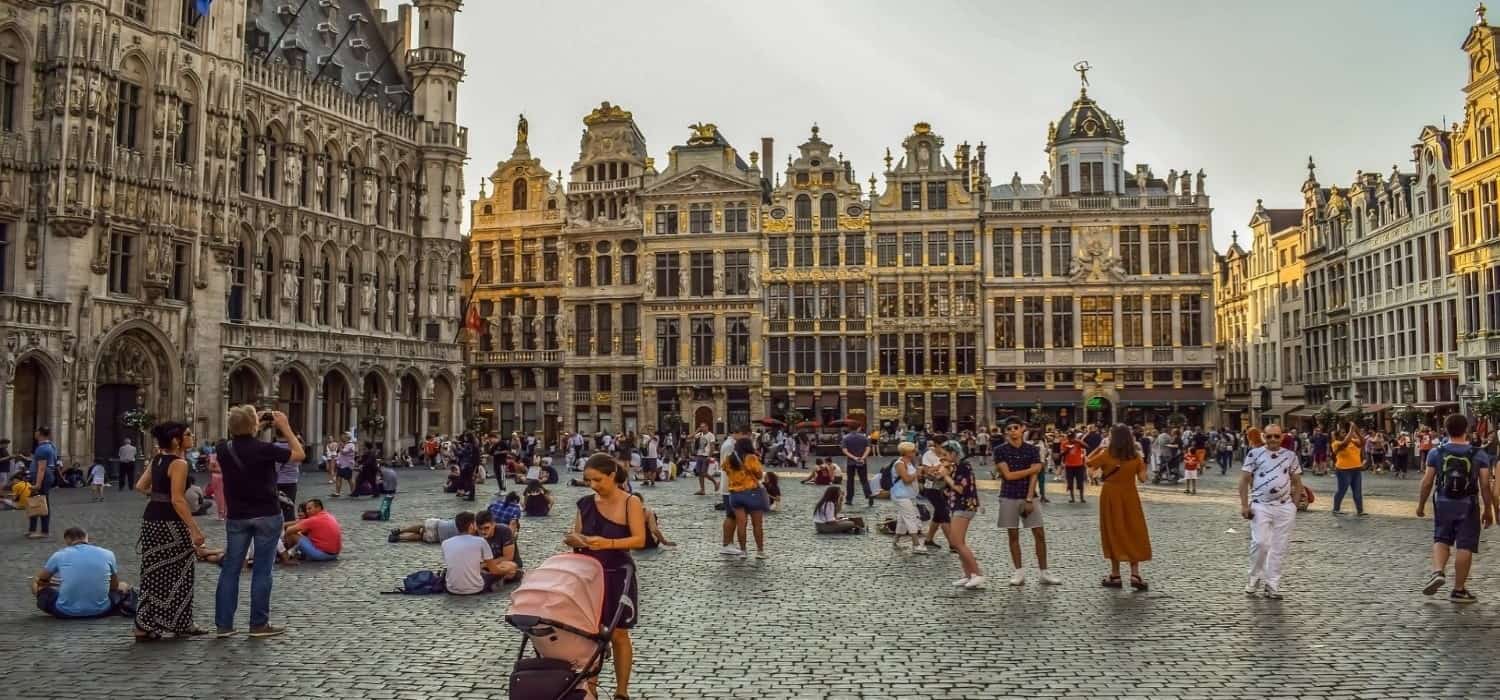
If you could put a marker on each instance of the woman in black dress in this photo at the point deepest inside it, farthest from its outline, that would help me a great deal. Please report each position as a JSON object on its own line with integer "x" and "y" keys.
{"x": 168, "y": 541}
{"x": 610, "y": 523}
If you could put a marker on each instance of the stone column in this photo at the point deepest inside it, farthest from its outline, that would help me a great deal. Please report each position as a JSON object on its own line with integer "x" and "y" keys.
{"x": 317, "y": 433}
{"x": 1047, "y": 322}
{"x": 1119, "y": 326}
{"x": 1176, "y": 233}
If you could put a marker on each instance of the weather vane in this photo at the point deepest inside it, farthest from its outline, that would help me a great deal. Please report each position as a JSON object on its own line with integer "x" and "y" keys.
{"x": 1083, "y": 69}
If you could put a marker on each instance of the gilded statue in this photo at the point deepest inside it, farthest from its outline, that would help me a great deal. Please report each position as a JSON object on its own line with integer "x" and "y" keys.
{"x": 703, "y": 132}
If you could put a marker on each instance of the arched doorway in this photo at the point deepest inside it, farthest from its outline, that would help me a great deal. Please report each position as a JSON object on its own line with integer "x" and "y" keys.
{"x": 244, "y": 387}
{"x": 336, "y": 404}
{"x": 291, "y": 399}
{"x": 373, "y": 397}
{"x": 441, "y": 418}
{"x": 132, "y": 373}
{"x": 31, "y": 403}
{"x": 703, "y": 415}
{"x": 410, "y": 421}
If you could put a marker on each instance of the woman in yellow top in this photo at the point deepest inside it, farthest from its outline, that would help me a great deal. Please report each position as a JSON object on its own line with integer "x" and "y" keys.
{"x": 1349, "y": 467}
{"x": 747, "y": 498}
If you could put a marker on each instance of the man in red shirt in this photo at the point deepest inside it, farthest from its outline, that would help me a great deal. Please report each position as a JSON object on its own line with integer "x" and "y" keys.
{"x": 1073, "y": 462}
{"x": 316, "y": 536}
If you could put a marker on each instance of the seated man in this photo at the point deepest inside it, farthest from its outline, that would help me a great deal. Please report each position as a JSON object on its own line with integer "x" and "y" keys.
{"x": 431, "y": 531}
{"x": 79, "y": 580}
{"x": 451, "y": 485}
{"x": 316, "y": 536}
{"x": 536, "y": 501}
{"x": 507, "y": 510}
{"x": 470, "y": 563}
{"x": 198, "y": 504}
{"x": 502, "y": 543}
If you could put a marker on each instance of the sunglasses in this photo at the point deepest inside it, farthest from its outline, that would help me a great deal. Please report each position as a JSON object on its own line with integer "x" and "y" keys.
{"x": 1272, "y": 436}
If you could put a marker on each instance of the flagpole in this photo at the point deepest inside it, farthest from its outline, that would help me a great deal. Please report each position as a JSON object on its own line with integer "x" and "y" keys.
{"x": 382, "y": 66}
{"x": 282, "y": 35}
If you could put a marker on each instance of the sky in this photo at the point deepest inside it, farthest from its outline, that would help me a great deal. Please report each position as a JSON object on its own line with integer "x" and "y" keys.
{"x": 1245, "y": 91}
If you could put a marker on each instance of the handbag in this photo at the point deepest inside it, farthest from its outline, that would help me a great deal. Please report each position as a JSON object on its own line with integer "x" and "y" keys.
{"x": 36, "y": 506}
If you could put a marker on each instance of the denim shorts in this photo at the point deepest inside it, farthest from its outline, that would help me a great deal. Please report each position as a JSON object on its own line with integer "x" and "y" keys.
{"x": 965, "y": 514}
{"x": 751, "y": 500}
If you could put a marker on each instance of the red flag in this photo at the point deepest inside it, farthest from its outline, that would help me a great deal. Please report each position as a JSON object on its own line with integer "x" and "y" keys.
{"x": 473, "y": 322}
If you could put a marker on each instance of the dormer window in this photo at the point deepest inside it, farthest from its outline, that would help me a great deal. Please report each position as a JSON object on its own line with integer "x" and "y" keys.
{"x": 802, "y": 178}
{"x": 1090, "y": 178}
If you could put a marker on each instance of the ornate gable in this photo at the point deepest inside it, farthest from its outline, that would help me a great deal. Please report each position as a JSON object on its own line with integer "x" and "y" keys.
{"x": 698, "y": 179}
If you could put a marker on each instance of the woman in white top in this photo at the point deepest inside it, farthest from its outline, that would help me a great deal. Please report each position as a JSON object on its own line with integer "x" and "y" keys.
{"x": 827, "y": 519}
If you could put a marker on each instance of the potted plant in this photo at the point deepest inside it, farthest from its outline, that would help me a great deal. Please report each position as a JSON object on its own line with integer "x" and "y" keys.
{"x": 372, "y": 423}
{"x": 138, "y": 419}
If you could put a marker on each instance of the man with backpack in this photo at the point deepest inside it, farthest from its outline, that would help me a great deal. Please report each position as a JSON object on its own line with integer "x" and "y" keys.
{"x": 1461, "y": 473}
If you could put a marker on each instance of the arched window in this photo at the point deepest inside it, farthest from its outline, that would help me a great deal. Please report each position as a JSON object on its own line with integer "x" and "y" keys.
{"x": 269, "y": 177}
{"x": 304, "y": 294}
{"x": 828, "y": 213}
{"x": 267, "y": 274}
{"x": 349, "y": 188}
{"x": 1432, "y": 195}
{"x": 237, "y": 283}
{"x": 330, "y": 165}
{"x": 398, "y": 288}
{"x": 244, "y": 169}
{"x": 518, "y": 195}
{"x": 400, "y": 205}
{"x": 348, "y": 281}
{"x": 303, "y": 179}
{"x": 325, "y": 316}
{"x": 803, "y": 212}
{"x": 1486, "y": 138}
{"x": 377, "y": 314}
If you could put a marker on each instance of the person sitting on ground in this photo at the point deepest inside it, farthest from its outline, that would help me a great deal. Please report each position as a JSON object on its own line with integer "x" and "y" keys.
{"x": 549, "y": 474}
{"x": 827, "y": 515}
{"x": 502, "y": 541}
{"x": 654, "y": 536}
{"x": 816, "y": 473}
{"x": 772, "y": 484}
{"x": 198, "y": 503}
{"x": 316, "y": 536}
{"x": 80, "y": 580}
{"x": 507, "y": 510}
{"x": 470, "y": 564}
{"x": 431, "y": 531}
{"x": 451, "y": 486}
{"x": 536, "y": 501}
{"x": 388, "y": 479}
{"x": 20, "y": 492}
{"x": 212, "y": 556}
{"x": 533, "y": 473}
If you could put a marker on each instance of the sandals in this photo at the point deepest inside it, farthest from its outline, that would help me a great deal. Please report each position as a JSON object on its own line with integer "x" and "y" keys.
{"x": 143, "y": 636}
{"x": 1111, "y": 582}
{"x": 1138, "y": 583}
{"x": 191, "y": 632}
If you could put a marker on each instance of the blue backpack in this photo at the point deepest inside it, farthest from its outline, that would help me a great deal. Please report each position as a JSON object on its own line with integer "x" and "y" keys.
{"x": 424, "y": 582}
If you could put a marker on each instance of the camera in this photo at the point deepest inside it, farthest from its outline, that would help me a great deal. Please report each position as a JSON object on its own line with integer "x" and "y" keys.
{"x": 266, "y": 418}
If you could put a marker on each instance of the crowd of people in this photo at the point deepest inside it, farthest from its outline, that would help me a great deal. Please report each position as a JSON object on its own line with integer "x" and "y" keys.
{"x": 932, "y": 484}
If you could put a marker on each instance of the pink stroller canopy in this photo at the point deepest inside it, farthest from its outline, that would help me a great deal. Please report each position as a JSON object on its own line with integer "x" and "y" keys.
{"x": 567, "y": 588}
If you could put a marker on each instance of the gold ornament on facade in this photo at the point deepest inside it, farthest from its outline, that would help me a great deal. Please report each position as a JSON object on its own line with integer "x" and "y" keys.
{"x": 605, "y": 113}
{"x": 704, "y": 133}
{"x": 921, "y": 128}
{"x": 854, "y": 223}
{"x": 770, "y": 225}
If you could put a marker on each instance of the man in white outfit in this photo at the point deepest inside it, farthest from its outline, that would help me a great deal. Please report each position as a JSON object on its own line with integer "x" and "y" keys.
{"x": 1270, "y": 476}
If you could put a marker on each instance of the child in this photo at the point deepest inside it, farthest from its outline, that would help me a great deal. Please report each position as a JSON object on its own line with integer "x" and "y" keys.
{"x": 20, "y": 492}
{"x": 1190, "y": 462}
{"x": 827, "y": 515}
{"x": 96, "y": 482}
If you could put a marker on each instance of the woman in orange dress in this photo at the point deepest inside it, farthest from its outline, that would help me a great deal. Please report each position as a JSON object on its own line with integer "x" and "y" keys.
{"x": 1122, "y": 523}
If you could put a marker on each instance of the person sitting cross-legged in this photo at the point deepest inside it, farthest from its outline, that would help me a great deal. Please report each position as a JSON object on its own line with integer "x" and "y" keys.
{"x": 502, "y": 541}
{"x": 316, "y": 536}
{"x": 80, "y": 580}
{"x": 470, "y": 564}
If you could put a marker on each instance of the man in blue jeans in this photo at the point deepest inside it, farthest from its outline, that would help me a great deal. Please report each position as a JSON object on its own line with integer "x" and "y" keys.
{"x": 254, "y": 514}
{"x": 43, "y": 478}
{"x": 856, "y": 447}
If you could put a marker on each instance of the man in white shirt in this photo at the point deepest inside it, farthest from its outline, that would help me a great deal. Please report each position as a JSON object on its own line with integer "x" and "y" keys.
{"x": 1269, "y": 478}
{"x": 649, "y": 461}
{"x": 471, "y": 565}
{"x": 126, "y": 460}
{"x": 703, "y": 445}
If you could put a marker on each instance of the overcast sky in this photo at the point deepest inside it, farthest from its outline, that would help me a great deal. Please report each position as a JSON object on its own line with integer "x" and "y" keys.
{"x": 1245, "y": 91}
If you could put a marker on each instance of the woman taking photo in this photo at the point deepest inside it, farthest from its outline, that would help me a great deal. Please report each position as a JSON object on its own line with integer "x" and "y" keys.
{"x": 609, "y": 524}
{"x": 746, "y": 496}
{"x": 963, "y": 503}
{"x": 1348, "y": 465}
{"x": 1122, "y": 523}
{"x": 168, "y": 542}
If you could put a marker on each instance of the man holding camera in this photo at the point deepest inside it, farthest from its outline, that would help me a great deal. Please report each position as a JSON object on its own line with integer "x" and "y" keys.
{"x": 254, "y": 514}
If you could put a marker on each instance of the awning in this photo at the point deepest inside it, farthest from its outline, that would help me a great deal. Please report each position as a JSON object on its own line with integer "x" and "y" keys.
{"x": 1281, "y": 409}
{"x": 1306, "y": 412}
{"x": 1336, "y": 406}
{"x": 1432, "y": 407}
{"x": 1375, "y": 407}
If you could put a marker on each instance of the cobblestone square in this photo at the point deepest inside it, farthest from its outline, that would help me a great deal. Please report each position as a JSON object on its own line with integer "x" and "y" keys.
{"x": 823, "y": 617}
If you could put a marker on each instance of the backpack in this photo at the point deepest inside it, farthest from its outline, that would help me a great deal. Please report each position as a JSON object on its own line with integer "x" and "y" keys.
{"x": 424, "y": 582}
{"x": 1456, "y": 472}
{"x": 888, "y": 475}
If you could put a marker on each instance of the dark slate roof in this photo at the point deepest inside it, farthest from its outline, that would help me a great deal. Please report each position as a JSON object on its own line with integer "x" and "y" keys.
{"x": 1085, "y": 113}
{"x": 318, "y": 29}
{"x": 1282, "y": 219}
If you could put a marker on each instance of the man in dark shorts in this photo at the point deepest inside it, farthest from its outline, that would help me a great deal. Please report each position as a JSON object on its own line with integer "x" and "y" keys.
{"x": 1461, "y": 473}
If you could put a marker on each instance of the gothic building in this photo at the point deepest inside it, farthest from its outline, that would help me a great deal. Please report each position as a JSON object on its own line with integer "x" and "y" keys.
{"x": 815, "y": 266}
{"x": 254, "y": 205}
{"x": 1097, "y": 284}
{"x": 515, "y": 357}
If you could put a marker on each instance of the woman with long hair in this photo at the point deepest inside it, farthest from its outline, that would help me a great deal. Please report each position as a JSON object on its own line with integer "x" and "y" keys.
{"x": 828, "y": 516}
{"x": 963, "y": 503}
{"x": 1122, "y": 522}
{"x": 747, "y": 497}
{"x": 169, "y": 540}
{"x": 609, "y": 524}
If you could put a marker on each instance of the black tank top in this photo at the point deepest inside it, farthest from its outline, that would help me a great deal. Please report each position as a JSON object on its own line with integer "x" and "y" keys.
{"x": 592, "y": 522}
{"x": 160, "y": 506}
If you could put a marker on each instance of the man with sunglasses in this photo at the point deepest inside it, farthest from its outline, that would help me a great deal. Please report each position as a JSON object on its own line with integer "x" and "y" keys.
{"x": 1018, "y": 463}
{"x": 1270, "y": 475}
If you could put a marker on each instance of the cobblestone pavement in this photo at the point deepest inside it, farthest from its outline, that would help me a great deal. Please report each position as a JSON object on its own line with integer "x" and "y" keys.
{"x": 824, "y": 617}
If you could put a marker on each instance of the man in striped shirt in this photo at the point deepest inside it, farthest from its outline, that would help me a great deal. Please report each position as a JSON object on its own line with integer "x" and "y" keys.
{"x": 1270, "y": 476}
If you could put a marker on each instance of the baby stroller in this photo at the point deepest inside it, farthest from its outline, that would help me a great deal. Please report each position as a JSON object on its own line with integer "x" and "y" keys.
{"x": 557, "y": 608}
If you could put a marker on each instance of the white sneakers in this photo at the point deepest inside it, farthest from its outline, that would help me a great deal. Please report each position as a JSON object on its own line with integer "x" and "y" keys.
{"x": 1048, "y": 578}
{"x": 975, "y": 583}
{"x": 1253, "y": 587}
{"x": 961, "y": 582}
{"x": 730, "y": 550}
